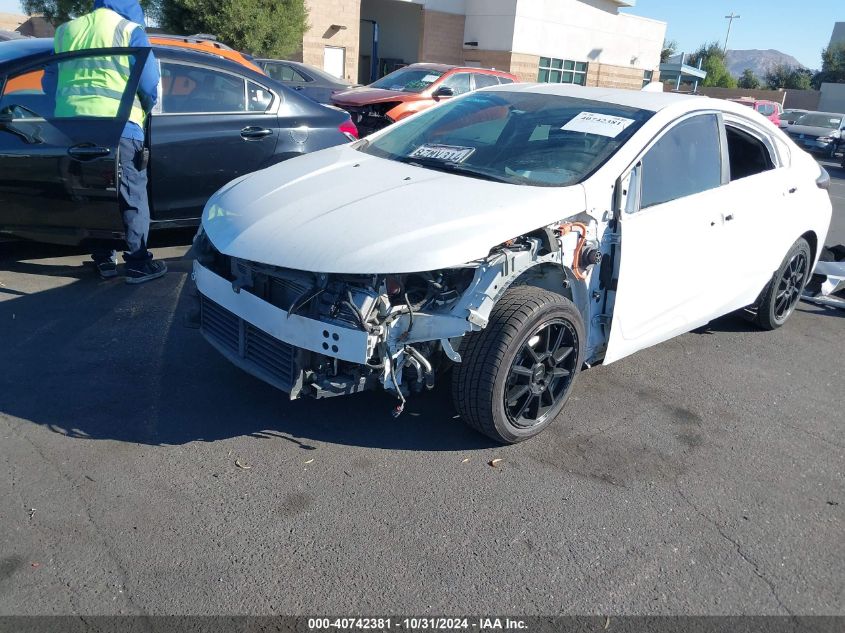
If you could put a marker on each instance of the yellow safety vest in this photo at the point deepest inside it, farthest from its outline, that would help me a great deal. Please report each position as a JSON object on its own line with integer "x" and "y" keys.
{"x": 94, "y": 86}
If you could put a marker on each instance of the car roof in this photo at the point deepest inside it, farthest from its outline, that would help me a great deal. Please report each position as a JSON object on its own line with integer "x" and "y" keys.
{"x": 643, "y": 100}
{"x": 203, "y": 45}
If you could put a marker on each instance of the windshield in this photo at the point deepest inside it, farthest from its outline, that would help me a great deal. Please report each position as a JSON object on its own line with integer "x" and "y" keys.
{"x": 521, "y": 138}
{"x": 818, "y": 119}
{"x": 408, "y": 79}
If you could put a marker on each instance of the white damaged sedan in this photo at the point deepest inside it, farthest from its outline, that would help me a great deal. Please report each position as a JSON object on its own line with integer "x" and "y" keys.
{"x": 513, "y": 236}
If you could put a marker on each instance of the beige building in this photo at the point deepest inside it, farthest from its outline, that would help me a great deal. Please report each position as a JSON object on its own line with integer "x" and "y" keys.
{"x": 587, "y": 42}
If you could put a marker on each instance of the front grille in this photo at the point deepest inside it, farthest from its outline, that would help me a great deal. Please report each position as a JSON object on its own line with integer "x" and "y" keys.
{"x": 249, "y": 347}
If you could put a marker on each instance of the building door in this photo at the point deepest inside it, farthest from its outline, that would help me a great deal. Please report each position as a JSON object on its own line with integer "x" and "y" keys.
{"x": 334, "y": 61}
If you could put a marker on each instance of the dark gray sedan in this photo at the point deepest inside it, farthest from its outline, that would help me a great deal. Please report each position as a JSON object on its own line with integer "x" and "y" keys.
{"x": 216, "y": 121}
{"x": 314, "y": 83}
{"x": 819, "y": 132}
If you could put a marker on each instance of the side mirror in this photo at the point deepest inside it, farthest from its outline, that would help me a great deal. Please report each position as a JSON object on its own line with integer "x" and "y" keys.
{"x": 443, "y": 91}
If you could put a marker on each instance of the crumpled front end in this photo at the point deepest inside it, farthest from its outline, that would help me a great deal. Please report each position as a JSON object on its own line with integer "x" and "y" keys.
{"x": 321, "y": 335}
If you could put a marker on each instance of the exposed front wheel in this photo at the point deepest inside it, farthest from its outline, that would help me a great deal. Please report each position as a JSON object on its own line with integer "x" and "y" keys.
{"x": 517, "y": 373}
{"x": 784, "y": 290}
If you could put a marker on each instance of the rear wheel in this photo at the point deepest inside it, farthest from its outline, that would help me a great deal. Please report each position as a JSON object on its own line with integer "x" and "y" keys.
{"x": 784, "y": 290}
{"x": 517, "y": 373}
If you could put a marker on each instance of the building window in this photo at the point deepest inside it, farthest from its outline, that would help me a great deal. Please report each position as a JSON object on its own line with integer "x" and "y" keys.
{"x": 648, "y": 77}
{"x": 562, "y": 71}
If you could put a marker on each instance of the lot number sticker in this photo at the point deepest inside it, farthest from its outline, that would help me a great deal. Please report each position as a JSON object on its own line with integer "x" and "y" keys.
{"x": 599, "y": 124}
{"x": 446, "y": 153}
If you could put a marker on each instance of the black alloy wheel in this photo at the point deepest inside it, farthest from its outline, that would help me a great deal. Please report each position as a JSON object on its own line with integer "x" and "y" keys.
{"x": 516, "y": 374}
{"x": 541, "y": 373}
{"x": 783, "y": 292}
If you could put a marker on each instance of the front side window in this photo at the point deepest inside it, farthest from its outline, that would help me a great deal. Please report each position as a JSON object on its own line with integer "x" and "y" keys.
{"x": 408, "y": 80}
{"x": 514, "y": 137}
{"x": 562, "y": 71}
{"x": 82, "y": 86}
{"x": 685, "y": 161}
{"x": 284, "y": 73}
{"x": 766, "y": 109}
{"x": 196, "y": 90}
{"x": 459, "y": 83}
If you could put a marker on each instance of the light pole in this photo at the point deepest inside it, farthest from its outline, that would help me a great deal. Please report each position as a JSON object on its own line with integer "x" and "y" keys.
{"x": 730, "y": 19}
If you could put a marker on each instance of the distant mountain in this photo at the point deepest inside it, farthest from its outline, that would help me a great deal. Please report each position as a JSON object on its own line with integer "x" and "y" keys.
{"x": 759, "y": 61}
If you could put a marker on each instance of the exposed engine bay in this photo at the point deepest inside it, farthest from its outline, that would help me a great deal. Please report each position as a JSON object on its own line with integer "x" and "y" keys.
{"x": 323, "y": 335}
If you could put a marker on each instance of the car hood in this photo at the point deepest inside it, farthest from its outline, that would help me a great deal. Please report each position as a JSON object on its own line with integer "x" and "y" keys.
{"x": 366, "y": 96}
{"x": 811, "y": 130}
{"x": 343, "y": 211}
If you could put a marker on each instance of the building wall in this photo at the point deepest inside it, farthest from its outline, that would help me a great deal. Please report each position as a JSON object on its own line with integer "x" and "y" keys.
{"x": 592, "y": 34}
{"x": 400, "y": 29}
{"x": 442, "y": 37}
{"x": 322, "y": 14}
{"x": 838, "y": 36}
{"x": 832, "y": 98}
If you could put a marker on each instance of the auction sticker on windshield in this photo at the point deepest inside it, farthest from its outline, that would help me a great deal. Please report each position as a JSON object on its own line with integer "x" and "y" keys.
{"x": 446, "y": 153}
{"x": 599, "y": 124}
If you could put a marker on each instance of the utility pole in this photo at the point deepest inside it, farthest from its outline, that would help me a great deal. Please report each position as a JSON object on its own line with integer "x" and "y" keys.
{"x": 730, "y": 19}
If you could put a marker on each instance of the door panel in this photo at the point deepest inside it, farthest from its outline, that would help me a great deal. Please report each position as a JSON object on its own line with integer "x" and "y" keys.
{"x": 674, "y": 256}
{"x": 205, "y": 136}
{"x": 59, "y": 173}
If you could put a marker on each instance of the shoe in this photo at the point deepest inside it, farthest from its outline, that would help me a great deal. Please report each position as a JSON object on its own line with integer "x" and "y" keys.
{"x": 107, "y": 269}
{"x": 138, "y": 273}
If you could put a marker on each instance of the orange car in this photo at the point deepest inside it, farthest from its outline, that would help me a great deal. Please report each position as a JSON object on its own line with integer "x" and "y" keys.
{"x": 204, "y": 45}
{"x": 412, "y": 89}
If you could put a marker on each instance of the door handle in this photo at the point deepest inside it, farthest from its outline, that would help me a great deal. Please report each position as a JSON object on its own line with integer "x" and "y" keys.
{"x": 298, "y": 87}
{"x": 729, "y": 217}
{"x": 253, "y": 133}
{"x": 88, "y": 152}
{"x": 792, "y": 190}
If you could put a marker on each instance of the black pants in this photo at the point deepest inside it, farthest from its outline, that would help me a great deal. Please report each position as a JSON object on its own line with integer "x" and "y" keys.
{"x": 133, "y": 202}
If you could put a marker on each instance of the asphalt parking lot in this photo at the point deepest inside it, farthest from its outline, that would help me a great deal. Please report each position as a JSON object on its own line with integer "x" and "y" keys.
{"x": 142, "y": 473}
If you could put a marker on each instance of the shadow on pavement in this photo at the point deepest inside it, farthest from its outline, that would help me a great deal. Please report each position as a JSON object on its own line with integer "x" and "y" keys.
{"x": 102, "y": 360}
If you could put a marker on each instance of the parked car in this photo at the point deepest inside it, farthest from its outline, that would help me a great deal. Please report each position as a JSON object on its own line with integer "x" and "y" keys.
{"x": 819, "y": 132}
{"x": 314, "y": 83}
{"x": 412, "y": 89}
{"x": 204, "y": 44}
{"x": 769, "y": 109}
{"x": 217, "y": 120}
{"x": 788, "y": 117}
{"x": 514, "y": 235}
{"x": 5, "y": 35}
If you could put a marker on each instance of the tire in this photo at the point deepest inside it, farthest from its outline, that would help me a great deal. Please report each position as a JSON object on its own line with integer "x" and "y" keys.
{"x": 529, "y": 328}
{"x": 783, "y": 292}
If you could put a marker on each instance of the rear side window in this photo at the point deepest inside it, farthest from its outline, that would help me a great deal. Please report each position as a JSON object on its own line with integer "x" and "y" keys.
{"x": 685, "y": 161}
{"x": 191, "y": 89}
{"x": 505, "y": 80}
{"x": 485, "y": 81}
{"x": 766, "y": 109}
{"x": 748, "y": 154}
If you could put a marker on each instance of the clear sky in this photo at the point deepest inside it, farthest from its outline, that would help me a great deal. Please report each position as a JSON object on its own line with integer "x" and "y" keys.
{"x": 801, "y": 28}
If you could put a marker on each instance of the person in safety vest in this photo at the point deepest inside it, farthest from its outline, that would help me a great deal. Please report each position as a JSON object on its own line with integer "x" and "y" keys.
{"x": 94, "y": 87}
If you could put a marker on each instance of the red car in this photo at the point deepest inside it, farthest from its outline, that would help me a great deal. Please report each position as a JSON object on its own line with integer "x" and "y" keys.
{"x": 769, "y": 109}
{"x": 412, "y": 89}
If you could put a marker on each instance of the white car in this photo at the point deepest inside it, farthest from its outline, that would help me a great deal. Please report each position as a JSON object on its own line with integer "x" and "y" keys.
{"x": 514, "y": 235}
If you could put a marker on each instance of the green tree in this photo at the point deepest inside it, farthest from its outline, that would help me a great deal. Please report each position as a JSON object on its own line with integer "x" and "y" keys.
{"x": 58, "y": 11}
{"x": 748, "y": 80}
{"x": 833, "y": 66}
{"x": 670, "y": 48}
{"x": 712, "y": 59}
{"x": 271, "y": 28}
{"x": 786, "y": 77}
